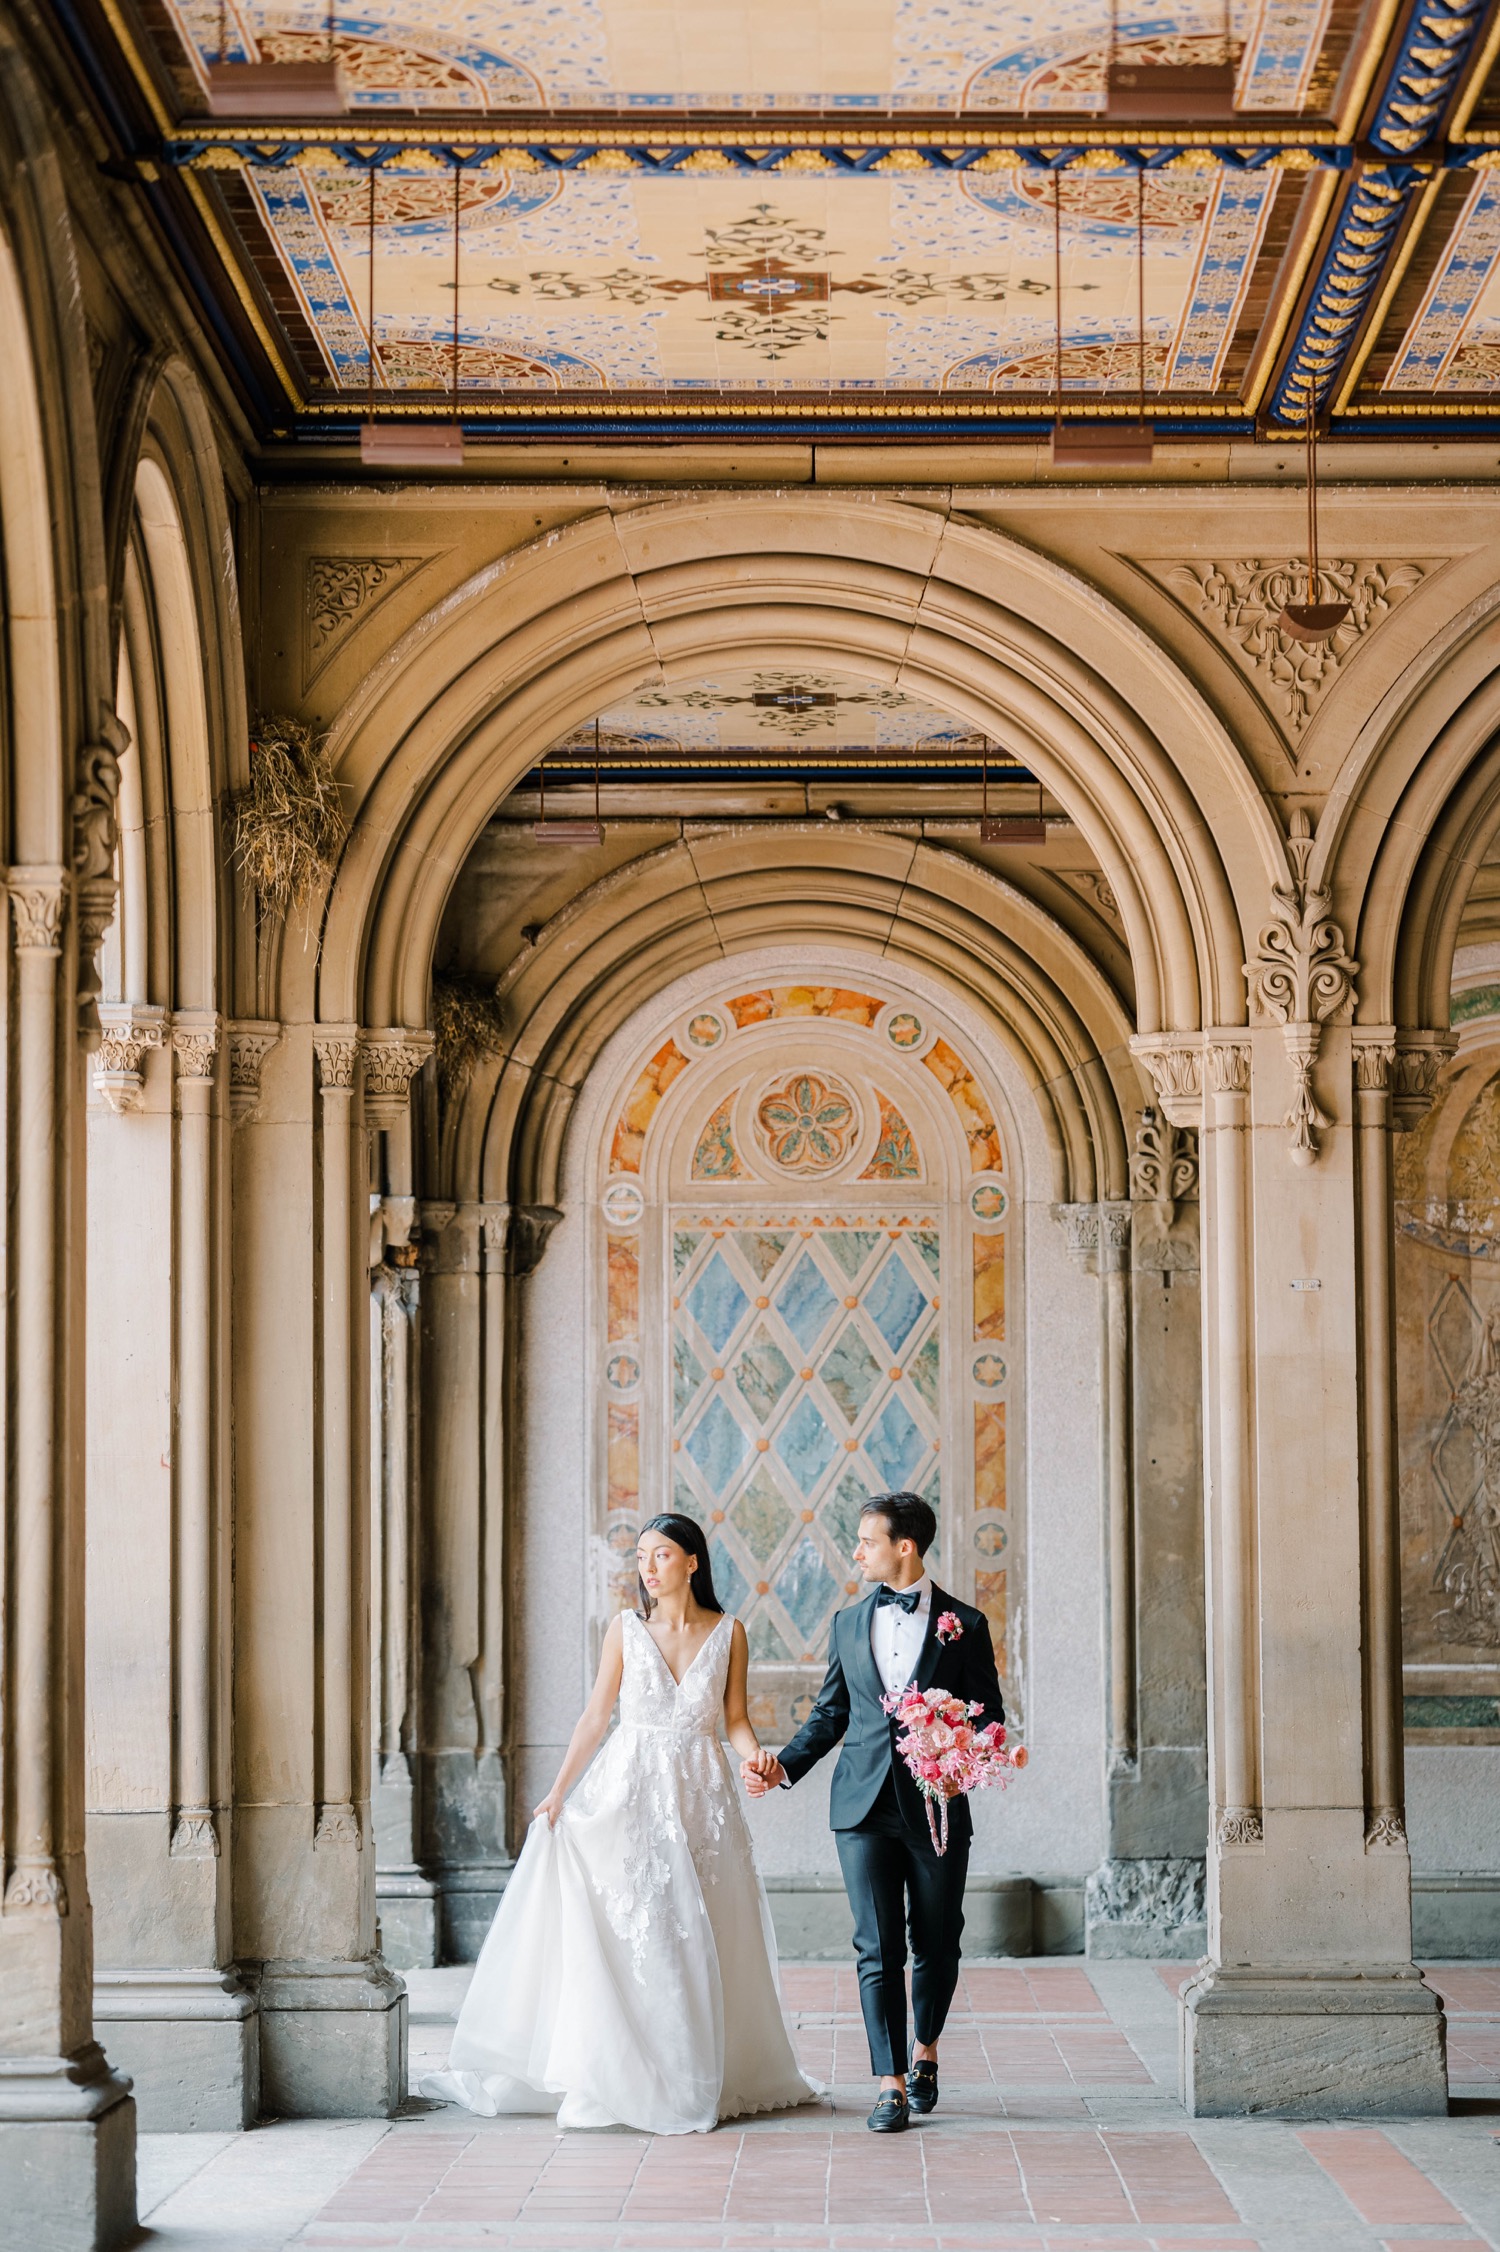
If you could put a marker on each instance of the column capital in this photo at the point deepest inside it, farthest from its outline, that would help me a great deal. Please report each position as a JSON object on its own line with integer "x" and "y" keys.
{"x": 251, "y": 1040}
{"x": 392, "y": 1058}
{"x": 129, "y": 1031}
{"x": 1417, "y": 1066}
{"x": 37, "y": 899}
{"x": 1227, "y": 1056}
{"x": 336, "y": 1047}
{"x": 1374, "y": 1051}
{"x": 1174, "y": 1061}
{"x": 1080, "y": 1227}
{"x": 195, "y": 1042}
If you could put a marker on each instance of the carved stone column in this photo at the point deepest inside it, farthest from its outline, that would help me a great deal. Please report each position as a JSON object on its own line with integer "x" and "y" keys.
{"x": 1146, "y": 1898}
{"x": 1309, "y": 1986}
{"x": 405, "y": 1896}
{"x": 180, "y": 2021}
{"x": 462, "y": 1783}
{"x": 333, "y": 2017}
{"x": 67, "y": 2125}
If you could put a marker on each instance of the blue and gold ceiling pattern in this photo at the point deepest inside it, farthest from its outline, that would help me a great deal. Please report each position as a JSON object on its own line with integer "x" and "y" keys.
{"x": 573, "y": 217}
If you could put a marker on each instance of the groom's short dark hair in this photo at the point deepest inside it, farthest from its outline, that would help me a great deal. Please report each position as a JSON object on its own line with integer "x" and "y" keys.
{"x": 907, "y": 1517}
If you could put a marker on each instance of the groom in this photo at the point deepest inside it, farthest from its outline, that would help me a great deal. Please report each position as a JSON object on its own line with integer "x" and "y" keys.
{"x": 905, "y": 1629}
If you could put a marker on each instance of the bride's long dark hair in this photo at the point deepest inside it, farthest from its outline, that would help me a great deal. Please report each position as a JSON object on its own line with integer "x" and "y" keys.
{"x": 687, "y": 1535}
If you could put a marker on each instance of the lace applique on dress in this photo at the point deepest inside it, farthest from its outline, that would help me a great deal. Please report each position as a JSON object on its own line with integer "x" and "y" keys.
{"x": 677, "y": 1786}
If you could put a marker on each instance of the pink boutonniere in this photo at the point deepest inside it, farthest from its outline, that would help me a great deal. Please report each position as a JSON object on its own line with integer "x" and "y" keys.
{"x": 949, "y": 1627}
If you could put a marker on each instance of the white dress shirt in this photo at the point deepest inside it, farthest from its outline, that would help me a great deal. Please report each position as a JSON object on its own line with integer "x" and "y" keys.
{"x": 896, "y": 1637}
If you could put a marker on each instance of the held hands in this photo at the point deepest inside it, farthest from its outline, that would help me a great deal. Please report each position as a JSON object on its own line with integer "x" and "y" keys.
{"x": 761, "y": 1773}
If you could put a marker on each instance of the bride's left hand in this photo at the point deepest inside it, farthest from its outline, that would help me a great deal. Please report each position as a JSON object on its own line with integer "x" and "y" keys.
{"x": 551, "y": 1806}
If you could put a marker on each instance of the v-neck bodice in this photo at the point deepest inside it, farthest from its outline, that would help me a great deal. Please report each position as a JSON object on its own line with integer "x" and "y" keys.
{"x": 650, "y": 1696}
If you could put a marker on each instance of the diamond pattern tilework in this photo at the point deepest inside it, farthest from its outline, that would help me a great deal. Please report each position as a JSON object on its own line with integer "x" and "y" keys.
{"x": 812, "y": 1409}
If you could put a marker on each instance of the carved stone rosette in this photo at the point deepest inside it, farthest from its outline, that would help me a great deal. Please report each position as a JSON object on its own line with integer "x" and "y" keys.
{"x": 250, "y": 1042}
{"x": 1300, "y": 977}
{"x": 129, "y": 1031}
{"x": 392, "y": 1059}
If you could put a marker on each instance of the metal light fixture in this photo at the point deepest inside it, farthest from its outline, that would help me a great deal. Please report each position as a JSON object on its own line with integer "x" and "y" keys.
{"x": 568, "y": 832}
{"x": 1312, "y": 620}
{"x": 305, "y": 89}
{"x": 1007, "y": 828}
{"x": 1168, "y": 93}
{"x": 413, "y": 445}
{"x": 1103, "y": 445}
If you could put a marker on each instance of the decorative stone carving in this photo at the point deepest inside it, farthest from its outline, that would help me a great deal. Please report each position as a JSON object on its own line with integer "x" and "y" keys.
{"x": 336, "y": 589}
{"x": 36, "y": 1884}
{"x": 337, "y": 1050}
{"x": 129, "y": 1031}
{"x": 1241, "y": 602}
{"x": 1299, "y": 978}
{"x": 250, "y": 1042}
{"x": 1080, "y": 1226}
{"x": 1094, "y": 887}
{"x": 1374, "y": 1062}
{"x": 194, "y": 1836}
{"x": 1386, "y": 1829}
{"x": 1240, "y": 1825}
{"x": 1163, "y": 1166}
{"x": 529, "y": 1233}
{"x": 1175, "y": 1062}
{"x": 96, "y": 833}
{"x": 195, "y": 1044}
{"x": 392, "y": 1060}
{"x": 1165, "y": 1893}
{"x": 1228, "y": 1066}
{"x": 36, "y": 907}
{"x": 808, "y": 1124}
{"x": 1418, "y": 1062}
{"x": 1114, "y": 1238}
{"x": 338, "y": 1825}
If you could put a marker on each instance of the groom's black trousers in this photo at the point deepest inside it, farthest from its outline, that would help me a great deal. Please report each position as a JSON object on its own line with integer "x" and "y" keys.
{"x": 890, "y": 1869}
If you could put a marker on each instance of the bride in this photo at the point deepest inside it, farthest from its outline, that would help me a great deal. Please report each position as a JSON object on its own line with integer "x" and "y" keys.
{"x": 630, "y": 1970}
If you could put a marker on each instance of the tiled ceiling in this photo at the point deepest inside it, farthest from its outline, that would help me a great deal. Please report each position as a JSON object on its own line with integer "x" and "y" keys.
{"x": 774, "y": 216}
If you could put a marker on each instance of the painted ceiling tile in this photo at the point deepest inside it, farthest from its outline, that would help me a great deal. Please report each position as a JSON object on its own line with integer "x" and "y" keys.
{"x": 1453, "y": 343}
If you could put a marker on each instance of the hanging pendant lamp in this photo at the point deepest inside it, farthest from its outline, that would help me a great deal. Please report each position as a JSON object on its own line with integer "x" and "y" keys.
{"x": 1103, "y": 445}
{"x": 1312, "y": 620}
{"x": 412, "y": 445}
{"x": 1170, "y": 93}
{"x": 308, "y": 89}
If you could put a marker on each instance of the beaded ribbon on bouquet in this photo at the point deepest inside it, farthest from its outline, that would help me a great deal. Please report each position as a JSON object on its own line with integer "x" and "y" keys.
{"x": 946, "y": 1755}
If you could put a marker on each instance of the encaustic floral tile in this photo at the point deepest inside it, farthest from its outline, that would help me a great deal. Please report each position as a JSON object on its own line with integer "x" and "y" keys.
{"x": 620, "y": 282}
{"x": 1004, "y": 55}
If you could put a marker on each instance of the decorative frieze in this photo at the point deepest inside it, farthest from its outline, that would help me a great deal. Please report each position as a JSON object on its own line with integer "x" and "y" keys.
{"x": 250, "y": 1042}
{"x": 129, "y": 1031}
{"x": 392, "y": 1059}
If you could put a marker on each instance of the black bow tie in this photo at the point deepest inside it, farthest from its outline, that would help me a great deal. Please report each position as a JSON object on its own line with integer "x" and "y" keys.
{"x": 906, "y": 1603}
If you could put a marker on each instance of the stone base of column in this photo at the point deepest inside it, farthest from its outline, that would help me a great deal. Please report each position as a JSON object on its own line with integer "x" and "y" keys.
{"x": 67, "y": 2153}
{"x": 332, "y": 2040}
{"x": 469, "y": 1893}
{"x": 1145, "y": 1909}
{"x": 189, "y": 2040}
{"x": 1321, "y": 2042}
{"x": 406, "y": 1904}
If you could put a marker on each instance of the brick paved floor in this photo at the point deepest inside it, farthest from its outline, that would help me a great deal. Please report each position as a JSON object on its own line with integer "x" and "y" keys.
{"x": 1059, "y": 2130}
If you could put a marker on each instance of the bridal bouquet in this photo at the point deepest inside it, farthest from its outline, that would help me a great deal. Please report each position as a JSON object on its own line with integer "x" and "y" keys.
{"x": 946, "y": 1755}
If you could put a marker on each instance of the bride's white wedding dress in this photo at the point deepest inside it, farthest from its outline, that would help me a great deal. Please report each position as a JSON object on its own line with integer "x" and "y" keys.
{"x": 629, "y": 1977}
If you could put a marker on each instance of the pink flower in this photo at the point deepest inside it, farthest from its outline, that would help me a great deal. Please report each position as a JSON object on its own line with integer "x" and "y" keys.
{"x": 949, "y": 1627}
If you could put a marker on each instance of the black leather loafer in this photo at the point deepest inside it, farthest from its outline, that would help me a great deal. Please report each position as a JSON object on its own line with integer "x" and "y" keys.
{"x": 890, "y": 2115}
{"x": 921, "y": 2085}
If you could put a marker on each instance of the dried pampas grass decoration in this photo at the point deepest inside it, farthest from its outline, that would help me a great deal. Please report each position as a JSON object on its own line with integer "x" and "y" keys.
{"x": 466, "y": 1027}
{"x": 290, "y": 822}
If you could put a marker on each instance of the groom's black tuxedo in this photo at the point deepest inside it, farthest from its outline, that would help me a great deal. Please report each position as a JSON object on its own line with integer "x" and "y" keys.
{"x": 849, "y": 1710}
{"x": 879, "y": 1819}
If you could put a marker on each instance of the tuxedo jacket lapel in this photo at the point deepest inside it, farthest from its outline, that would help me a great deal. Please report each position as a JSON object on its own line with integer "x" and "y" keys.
{"x": 861, "y": 1619}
